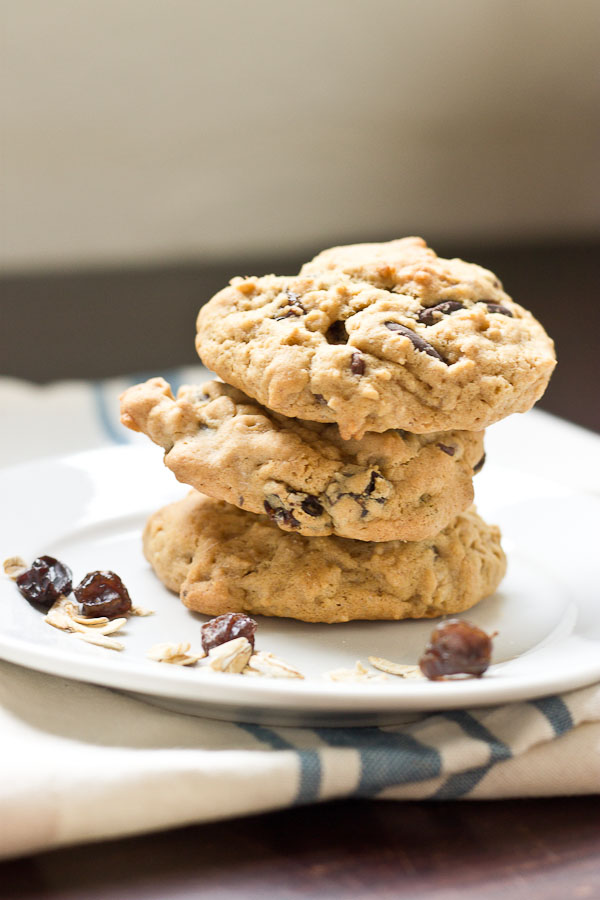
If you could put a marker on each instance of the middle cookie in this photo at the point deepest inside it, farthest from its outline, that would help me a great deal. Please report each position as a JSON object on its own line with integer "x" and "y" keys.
{"x": 387, "y": 486}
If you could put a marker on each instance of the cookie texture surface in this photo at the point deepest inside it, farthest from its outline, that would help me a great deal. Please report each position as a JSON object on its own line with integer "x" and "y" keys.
{"x": 379, "y": 336}
{"x": 389, "y": 486}
{"x": 221, "y": 559}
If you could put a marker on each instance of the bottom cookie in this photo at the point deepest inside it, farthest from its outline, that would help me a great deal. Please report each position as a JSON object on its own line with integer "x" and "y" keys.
{"x": 222, "y": 559}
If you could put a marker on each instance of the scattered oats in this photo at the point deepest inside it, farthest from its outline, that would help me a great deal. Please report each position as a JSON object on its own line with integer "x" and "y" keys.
{"x": 392, "y": 668}
{"x": 83, "y": 620}
{"x": 270, "y": 666}
{"x": 184, "y": 660}
{"x": 112, "y": 626}
{"x": 174, "y": 654}
{"x": 64, "y": 615}
{"x": 162, "y": 652}
{"x": 100, "y": 640}
{"x": 140, "y": 611}
{"x": 59, "y": 619}
{"x": 59, "y": 616}
{"x": 231, "y": 656}
{"x": 14, "y": 566}
{"x": 101, "y": 624}
{"x": 358, "y": 673}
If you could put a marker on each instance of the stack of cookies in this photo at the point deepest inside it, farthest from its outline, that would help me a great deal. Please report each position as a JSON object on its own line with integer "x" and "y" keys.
{"x": 332, "y": 467}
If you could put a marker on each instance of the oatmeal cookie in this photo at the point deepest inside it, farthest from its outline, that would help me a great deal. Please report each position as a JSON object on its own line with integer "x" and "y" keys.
{"x": 222, "y": 559}
{"x": 379, "y": 336}
{"x": 389, "y": 486}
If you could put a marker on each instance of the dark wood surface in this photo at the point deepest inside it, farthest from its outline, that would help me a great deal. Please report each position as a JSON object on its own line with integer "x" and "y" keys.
{"x": 100, "y": 324}
{"x": 522, "y": 849}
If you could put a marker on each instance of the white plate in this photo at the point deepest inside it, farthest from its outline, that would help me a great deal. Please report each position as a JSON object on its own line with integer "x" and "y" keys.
{"x": 89, "y": 509}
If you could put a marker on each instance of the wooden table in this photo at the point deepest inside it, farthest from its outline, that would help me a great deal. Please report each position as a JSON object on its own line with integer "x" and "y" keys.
{"x": 520, "y": 849}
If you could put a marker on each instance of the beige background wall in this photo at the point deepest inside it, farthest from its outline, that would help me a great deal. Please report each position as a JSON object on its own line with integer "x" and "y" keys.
{"x": 154, "y": 129}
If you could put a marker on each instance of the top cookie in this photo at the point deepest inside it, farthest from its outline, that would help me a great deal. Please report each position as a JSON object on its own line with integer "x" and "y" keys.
{"x": 379, "y": 336}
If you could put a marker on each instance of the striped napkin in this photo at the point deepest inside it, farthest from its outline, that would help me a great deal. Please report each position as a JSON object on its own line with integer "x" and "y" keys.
{"x": 81, "y": 762}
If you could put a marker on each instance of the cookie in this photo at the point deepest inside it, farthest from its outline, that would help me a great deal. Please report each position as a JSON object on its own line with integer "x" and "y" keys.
{"x": 389, "y": 486}
{"x": 375, "y": 337}
{"x": 375, "y": 263}
{"x": 221, "y": 559}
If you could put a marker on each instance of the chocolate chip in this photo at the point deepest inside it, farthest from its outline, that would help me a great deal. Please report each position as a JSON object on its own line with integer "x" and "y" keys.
{"x": 281, "y": 516}
{"x": 371, "y": 485}
{"x": 497, "y": 308}
{"x": 311, "y": 506}
{"x": 449, "y": 450}
{"x": 319, "y": 398}
{"x": 336, "y": 333}
{"x": 368, "y": 494}
{"x": 479, "y": 466}
{"x": 427, "y": 316}
{"x": 357, "y": 364}
{"x": 295, "y": 304}
{"x": 417, "y": 341}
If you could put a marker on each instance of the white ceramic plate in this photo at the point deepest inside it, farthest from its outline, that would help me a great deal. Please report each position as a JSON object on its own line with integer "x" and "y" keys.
{"x": 89, "y": 510}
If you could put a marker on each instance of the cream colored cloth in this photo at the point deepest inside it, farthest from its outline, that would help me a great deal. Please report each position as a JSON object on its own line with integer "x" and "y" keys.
{"x": 81, "y": 762}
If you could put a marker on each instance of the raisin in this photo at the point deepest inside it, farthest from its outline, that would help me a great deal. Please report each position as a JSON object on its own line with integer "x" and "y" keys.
{"x": 46, "y": 581}
{"x": 103, "y": 594}
{"x": 226, "y": 628}
{"x": 417, "y": 341}
{"x": 427, "y": 316}
{"x": 311, "y": 506}
{"x": 456, "y": 648}
{"x": 447, "y": 449}
{"x": 336, "y": 333}
{"x": 281, "y": 515}
{"x": 357, "y": 364}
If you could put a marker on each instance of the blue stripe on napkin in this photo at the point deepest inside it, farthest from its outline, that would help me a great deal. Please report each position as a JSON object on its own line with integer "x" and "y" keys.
{"x": 556, "y": 711}
{"x": 309, "y": 761}
{"x": 386, "y": 758}
{"x": 460, "y": 783}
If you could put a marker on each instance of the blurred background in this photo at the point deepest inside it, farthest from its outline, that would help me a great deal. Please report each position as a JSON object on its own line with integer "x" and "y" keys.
{"x": 152, "y": 149}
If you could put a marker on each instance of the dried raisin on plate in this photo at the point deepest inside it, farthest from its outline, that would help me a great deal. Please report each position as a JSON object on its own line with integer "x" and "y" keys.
{"x": 456, "y": 648}
{"x": 227, "y": 627}
{"x": 103, "y": 594}
{"x": 46, "y": 581}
